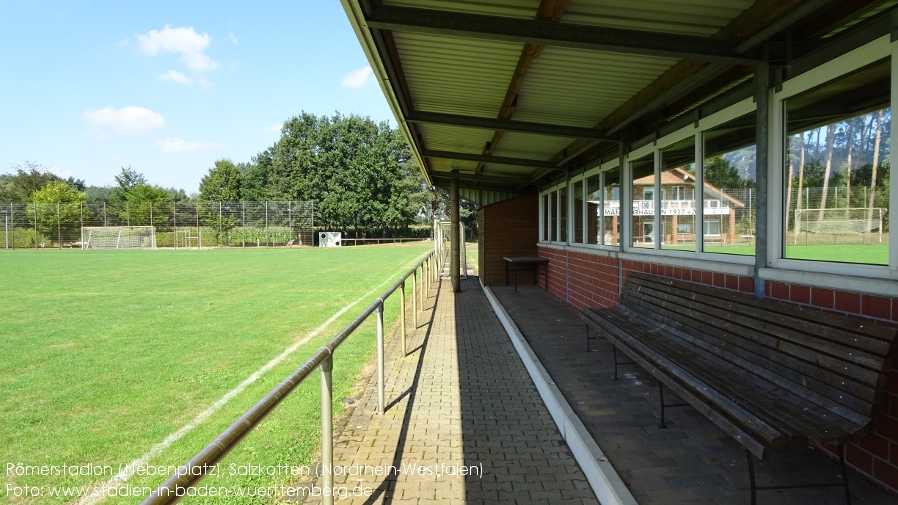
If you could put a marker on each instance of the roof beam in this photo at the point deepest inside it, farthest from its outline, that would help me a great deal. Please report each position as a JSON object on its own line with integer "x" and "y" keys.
{"x": 500, "y": 160}
{"x": 479, "y": 178}
{"x": 414, "y": 20}
{"x": 508, "y": 125}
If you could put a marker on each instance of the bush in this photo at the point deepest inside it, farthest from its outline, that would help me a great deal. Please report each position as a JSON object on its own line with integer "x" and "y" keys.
{"x": 23, "y": 238}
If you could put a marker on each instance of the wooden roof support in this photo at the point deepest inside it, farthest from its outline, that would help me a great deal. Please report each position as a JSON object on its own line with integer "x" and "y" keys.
{"x": 549, "y": 10}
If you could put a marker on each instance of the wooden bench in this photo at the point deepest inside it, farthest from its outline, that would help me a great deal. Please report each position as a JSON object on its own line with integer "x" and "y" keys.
{"x": 766, "y": 372}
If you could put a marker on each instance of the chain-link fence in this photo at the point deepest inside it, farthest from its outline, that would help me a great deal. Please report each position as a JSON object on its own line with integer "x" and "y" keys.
{"x": 196, "y": 225}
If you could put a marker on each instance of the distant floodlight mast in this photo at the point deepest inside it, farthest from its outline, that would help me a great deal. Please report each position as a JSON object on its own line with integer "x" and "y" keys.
{"x": 118, "y": 237}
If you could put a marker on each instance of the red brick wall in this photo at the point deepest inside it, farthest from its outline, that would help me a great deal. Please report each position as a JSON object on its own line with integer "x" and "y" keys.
{"x": 592, "y": 280}
{"x": 508, "y": 228}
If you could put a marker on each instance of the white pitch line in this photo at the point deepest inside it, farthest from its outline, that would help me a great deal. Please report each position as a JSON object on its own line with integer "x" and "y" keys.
{"x": 173, "y": 437}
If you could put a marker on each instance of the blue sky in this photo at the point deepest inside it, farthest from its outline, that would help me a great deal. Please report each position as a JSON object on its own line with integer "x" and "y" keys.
{"x": 168, "y": 87}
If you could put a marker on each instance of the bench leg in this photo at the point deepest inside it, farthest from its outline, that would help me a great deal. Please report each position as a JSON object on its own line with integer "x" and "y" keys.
{"x": 755, "y": 488}
{"x": 589, "y": 338}
{"x": 614, "y": 351}
{"x": 661, "y": 394}
{"x": 751, "y": 477}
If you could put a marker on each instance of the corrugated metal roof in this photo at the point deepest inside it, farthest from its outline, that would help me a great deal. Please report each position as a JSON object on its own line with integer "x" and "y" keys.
{"x": 692, "y": 17}
{"x": 462, "y": 64}
{"x": 594, "y": 84}
{"x": 520, "y": 9}
{"x": 456, "y": 75}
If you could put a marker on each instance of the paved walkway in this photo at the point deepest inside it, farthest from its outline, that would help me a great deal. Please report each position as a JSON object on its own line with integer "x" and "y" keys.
{"x": 461, "y": 401}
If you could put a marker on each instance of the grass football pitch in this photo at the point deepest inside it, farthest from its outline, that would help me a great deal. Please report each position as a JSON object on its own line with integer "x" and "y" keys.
{"x": 106, "y": 355}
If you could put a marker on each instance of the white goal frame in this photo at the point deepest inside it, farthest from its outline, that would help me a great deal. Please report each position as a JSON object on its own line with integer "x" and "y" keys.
{"x": 118, "y": 237}
{"x": 840, "y": 221}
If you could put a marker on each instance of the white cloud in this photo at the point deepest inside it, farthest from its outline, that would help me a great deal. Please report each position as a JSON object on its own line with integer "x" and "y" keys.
{"x": 184, "y": 41}
{"x": 358, "y": 78}
{"x": 175, "y": 76}
{"x": 233, "y": 38}
{"x": 176, "y": 145}
{"x": 64, "y": 173}
{"x": 125, "y": 121}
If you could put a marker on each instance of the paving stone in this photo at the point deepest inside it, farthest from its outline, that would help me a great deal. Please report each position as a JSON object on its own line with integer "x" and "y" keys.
{"x": 461, "y": 398}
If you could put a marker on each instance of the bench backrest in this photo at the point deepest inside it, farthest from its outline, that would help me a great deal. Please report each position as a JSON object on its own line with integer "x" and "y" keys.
{"x": 835, "y": 361}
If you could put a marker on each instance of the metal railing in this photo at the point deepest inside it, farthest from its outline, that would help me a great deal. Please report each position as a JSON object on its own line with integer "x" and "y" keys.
{"x": 191, "y": 473}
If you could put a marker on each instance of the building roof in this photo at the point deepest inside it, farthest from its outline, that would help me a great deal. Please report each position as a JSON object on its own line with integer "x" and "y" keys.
{"x": 680, "y": 177}
{"x": 504, "y": 95}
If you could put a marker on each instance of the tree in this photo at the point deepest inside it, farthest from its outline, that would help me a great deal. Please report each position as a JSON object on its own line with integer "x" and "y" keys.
{"x": 136, "y": 203}
{"x": 721, "y": 174}
{"x": 58, "y": 207}
{"x": 360, "y": 173}
{"x": 222, "y": 183}
{"x": 255, "y": 185}
{"x": 127, "y": 180}
{"x": 28, "y": 178}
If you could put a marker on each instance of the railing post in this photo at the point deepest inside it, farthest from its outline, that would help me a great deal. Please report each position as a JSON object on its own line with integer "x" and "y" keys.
{"x": 327, "y": 429}
{"x": 415, "y": 299}
{"x": 402, "y": 315}
{"x": 380, "y": 357}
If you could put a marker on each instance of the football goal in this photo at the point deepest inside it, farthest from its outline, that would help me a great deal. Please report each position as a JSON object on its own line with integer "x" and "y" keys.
{"x": 118, "y": 237}
{"x": 845, "y": 221}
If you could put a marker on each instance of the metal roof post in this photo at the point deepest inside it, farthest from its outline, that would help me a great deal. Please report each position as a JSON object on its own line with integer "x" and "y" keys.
{"x": 453, "y": 236}
{"x": 762, "y": 101}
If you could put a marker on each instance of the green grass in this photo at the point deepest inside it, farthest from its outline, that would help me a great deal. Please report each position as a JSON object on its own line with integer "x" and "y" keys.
{"x": 873, "y": 254}
{"x": 105, "y": 353}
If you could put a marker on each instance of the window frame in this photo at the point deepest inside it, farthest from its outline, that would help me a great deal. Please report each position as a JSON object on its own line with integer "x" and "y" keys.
{"x": 781, "y": 268}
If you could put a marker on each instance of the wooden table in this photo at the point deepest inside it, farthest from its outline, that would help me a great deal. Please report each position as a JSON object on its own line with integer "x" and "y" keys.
{"x": 534, "y": 261}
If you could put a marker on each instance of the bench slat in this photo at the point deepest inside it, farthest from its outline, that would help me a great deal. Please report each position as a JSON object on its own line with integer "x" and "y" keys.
{"x": 855, "y": 390}
{"x": 673, "y": 375}
{"x": 850, "y": 346}
{"x": 765, "y": 372}
{"x": 828, "y": 329}
{"x": 876, "y": 335}
{"x": 800, "y": 421}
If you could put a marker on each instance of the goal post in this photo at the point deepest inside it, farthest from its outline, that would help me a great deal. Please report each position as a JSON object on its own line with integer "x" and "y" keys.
{"x": 118, "y": 237}
{"x": 840, "y": 221}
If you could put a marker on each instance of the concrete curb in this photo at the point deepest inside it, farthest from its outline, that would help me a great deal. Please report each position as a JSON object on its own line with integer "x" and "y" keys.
{"x": 604, "y": 480}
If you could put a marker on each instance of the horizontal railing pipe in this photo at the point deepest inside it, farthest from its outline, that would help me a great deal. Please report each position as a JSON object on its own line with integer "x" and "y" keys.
{"x": 191, "y": 473}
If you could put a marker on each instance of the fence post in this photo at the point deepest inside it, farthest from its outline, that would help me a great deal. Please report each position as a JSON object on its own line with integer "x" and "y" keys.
{"x": 327, "y": 429}
{"x": 402, "y": 314}
{"x": 58, "y": 226}
{"x": 380, "y": 357}
{"x": 37, "y": 244}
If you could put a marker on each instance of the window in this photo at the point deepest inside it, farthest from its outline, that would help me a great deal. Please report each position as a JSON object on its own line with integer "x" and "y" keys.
{"x": 729, "y": 192}
{"x": 552, "y": 214}
{"x": 836, "y": 159}
{"x": 712, "y": 228}
{"x": 643, "y": 170}
{"x": 593, "y": 208}
{"x": 577, "y": 217}
{"x": 562, "y": 215}
{"x": 678, "y": 180}
{"x": 611, "y": 208}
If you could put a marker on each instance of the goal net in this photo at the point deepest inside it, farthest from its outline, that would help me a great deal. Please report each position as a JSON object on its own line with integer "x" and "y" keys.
{"x": 118, "y": 237}
{"x": 845, "y": 221}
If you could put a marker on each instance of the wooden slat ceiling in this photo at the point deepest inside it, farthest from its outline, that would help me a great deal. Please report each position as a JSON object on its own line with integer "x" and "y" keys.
{"x": 503, "y": 94}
